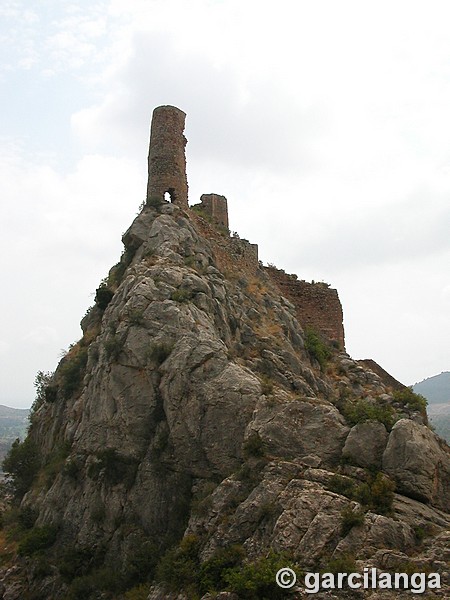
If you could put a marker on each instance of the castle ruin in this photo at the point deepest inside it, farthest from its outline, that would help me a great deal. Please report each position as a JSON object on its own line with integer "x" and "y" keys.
{"x": 166, "y": 157}
{"x": 317, "y": 305}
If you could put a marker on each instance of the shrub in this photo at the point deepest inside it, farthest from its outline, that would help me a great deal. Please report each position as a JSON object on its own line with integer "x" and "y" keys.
{"x": 377, "y": 494}
{"x": 141, "y": 562}
{"x": 89, "y": 586}
{"x": 155, "y": 201}
{"x": 181, "y": 295}
{"x": 341, "y": 564}
{"x": 266, "y": 385}
{"x": 21, "y": 465}
{"x": 316, "y": 348}
{"x": 341, "y": 485}
{"x": 113, "y": 347}
{"x": 72, "y": 371}
{"x": 75, "y": 562}
{"x": 363, "y": 410}
{"x": 410, "y": 399}
{"x": 103, "y": 296}
{"x": 350, "y": 519}
{"x": 46, "y": 391}
{"x": 116, "y": 467}
{"x": 381, "y": 494}
{"x": 178, "y": 568}
{"x": 27, "y": 517}
{"x": 253, "y": 446}
{"x": 213, "y": 571}
{"x": 256, "y": 580}
{"x": 136, "y": 317}
{"x": 37, "y": 539}
{"x": 139, "y": 592}
{"x": 159, "y": 352}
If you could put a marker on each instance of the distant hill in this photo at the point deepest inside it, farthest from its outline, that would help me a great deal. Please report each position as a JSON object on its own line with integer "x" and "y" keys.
{"x": 13, "y": 424}
{"x": 437, "y": 391}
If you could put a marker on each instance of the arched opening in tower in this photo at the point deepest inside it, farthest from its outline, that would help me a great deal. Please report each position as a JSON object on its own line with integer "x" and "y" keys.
{"x": 170, "y": 196}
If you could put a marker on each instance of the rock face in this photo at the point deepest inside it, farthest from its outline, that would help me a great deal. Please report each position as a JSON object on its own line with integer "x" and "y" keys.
{"x": 196, "y": 408}
{"x": 419, "y": 462}
{"x": 365, "y": 444}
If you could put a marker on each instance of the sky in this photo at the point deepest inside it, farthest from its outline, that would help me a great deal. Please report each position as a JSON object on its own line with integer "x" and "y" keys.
{"x": 325, "y": 124}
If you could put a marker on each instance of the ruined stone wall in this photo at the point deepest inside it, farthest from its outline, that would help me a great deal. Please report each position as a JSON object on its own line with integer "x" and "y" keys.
{"x": 245, "y": 252}
{"x": 216, "y": 207}
{"x": 318, "y": 306}
{"x": 166, "y": 158}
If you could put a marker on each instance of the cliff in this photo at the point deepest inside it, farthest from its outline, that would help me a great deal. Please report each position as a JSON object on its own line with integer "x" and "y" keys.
{"x": 201, "y": 429}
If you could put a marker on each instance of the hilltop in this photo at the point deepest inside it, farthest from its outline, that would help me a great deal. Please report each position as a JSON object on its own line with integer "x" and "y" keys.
{"x": 210, "y": 427}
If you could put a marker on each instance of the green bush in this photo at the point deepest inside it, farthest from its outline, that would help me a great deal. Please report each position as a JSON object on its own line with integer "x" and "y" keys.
{"x": 141, "y": 562}
{"x": 46, "y": 390}
{"x": 381, "y": 494}
{"x": 181, "y": 295}
{"x": 253, "y": 446}
{"x": 37, "y": 539}
{"x": 377, "y": 494}
{"x": 155, "y": 201}
{"x": 75, "y": 562}
{"x": 316, "y": 348}
{"x": 116, "y": 467}
{"x": 103, "y": 296}
{"x": 178, "y": 568}
{"x": 139, "y": 592}
{"x": 350, "y": 519}
{"x": 72, "y": 371}
{"x": 213, "y": 571}
{"x": 89, "y": 587}
{"x": 21, "y": 465}
{"x": 363, "y": 410}
{"x": 159, "y": 352}
{"x": 410, "y": 399}
{"x": 341, "y": 564}
{"x": 256, "y": 580}
{"x": 266, "y": 385}
{"x": 136, "y": 317}
{"x": 27, "y": 517}
{"x": 113, "y": 347}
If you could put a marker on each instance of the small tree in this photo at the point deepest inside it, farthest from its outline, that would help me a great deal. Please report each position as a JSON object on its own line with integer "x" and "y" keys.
{"x": 21, "y": 465}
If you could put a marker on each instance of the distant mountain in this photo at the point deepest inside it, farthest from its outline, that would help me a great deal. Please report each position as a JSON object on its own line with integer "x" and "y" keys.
{"x": 13, "y": 425}
{"x": 437, "y": 391}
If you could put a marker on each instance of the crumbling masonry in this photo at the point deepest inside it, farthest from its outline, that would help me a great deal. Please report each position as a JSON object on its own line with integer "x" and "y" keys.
{"x": 166, "y": 157}
{"x": 317, "y": 305}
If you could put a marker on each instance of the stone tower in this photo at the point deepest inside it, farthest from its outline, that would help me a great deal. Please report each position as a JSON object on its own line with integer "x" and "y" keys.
{"x": 166, "y": 157}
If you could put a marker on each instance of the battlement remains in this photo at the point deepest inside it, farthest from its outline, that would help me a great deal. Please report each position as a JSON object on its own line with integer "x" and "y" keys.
{"x": 216, "y": 207}
{"x": 318, "y": 306}
{"x": 166, "y": 158}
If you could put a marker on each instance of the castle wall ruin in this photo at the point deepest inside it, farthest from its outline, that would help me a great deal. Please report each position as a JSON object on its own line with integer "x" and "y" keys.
{"x": 166, "y": 158}
{"x": 318, "y": 306}
{"x": 216, "y": 207}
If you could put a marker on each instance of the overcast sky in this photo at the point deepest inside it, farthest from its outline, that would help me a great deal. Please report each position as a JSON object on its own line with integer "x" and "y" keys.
{"x": 326, "y": 125}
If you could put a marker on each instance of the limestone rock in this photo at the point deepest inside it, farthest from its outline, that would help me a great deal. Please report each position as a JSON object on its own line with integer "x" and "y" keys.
{"x": 365, "y": 444}
{"x": 419, "y": 462}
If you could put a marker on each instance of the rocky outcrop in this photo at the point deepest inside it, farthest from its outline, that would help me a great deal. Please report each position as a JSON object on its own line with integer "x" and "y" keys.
{"x": 194, "y": 405}
{"x": 419, "y": 461}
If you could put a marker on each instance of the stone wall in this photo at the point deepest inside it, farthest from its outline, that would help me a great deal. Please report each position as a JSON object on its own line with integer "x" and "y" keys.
{"x": 245, "y": 252}
{"x": 318, "y": 306}
{"x": 166, "y": 158}
{"x": 216, "y": 207}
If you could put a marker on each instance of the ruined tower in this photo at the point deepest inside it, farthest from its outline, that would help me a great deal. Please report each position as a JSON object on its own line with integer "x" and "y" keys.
{"x": 166, "y": 157}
